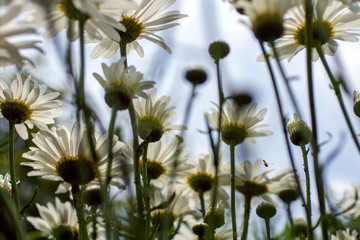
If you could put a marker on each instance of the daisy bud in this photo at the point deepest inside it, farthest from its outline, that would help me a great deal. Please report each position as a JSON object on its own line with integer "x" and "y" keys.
{"x": 299, "y": 131}
{"x": 300, "y": 227}
{"x": 356, "y": 99}
{"x": 289, "y": 195}
{"x": 218, "y": 50}
{"x": 266, "y": 210}
{"x": 215, "y": 217}
{"x": 196, "y": 75}
{"x": 242, "y": 98}
{"x": 200, "y": 229}
{"x": 165, "y": 218}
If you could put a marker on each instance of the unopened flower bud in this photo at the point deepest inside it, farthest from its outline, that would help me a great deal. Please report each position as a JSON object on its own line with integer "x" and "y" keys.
{"x": 218, "y": 50}
{"x": 215, "y": 217}
{"x": 266, "y": 210}
{"x": 200, "y": 229}
{"x": 300, "y": 227}
{"x": 299, "y": 131}
{"x": 196, "y": 75}
{"x": 289, "y": 195}
{"x": 356, "y": 99}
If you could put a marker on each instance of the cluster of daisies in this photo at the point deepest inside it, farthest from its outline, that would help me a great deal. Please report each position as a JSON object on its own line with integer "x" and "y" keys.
{"x": 182, "y": 198}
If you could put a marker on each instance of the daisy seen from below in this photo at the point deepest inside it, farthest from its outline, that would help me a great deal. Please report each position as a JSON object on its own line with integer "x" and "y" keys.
{"x": 10, "y": 46}
{"x": 166, "y": 161}
{"x": 352, "y": 4}
{"x": 154, "y": 116}
{"x": 122, "y": 84}
{"x": 332, "y": 21}
{"x": 143, "y": 23}
{"x": 65, "y": 156}
{"x": 5, "y": 183}
{"x": 25, "y": 106}
{"x": 266, "y": 16}
{"x": 345, "y": 235}
{"x": 238, "y": 123}
{"x": 98, "y": 16}
{"x": 59, "y": 221}
{"x": 200, "y": 180}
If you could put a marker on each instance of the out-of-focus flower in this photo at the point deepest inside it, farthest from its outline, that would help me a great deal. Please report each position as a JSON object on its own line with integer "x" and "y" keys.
{"x": 122, "y": 84}
{"x": 238, "y": 123}
{"x": 5, "y": 183}
{"x": 345, "y": 235}
{"x": 61, "y": 155}
{"x": 10, "y": 46}
{"x": 99, "y": 17}
{"x": 59, "y": 221}
{"x": 332, "y": 21}
{"x": 266, "y": 16}
{"x": 352, "y": 4}
{"x": 200, "y": 179}
{"x": 153, "y": 116}
{"x": 299, "y": 132}
{"x": 356, "y": 101}
{"x": 26, "y": 106}
{"x": 143, "y": 23}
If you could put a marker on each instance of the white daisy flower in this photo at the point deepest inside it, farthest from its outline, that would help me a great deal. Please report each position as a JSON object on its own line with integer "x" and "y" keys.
{"x": 59, "y": 221}
{"x": 352, "y": 4}
{"x": 266, "y": 16}
{"x": 166, "y": 160}
{"x": 143, "y": 23}
{"x": 26, "y": 106}
{"x": 5, "y": 183}
{"x": 249, "y": 181}
{"x": 61, "y": 155}
{"x": 345, "y": 235}
{"x": 154, "y": 117}
{"x": 10, "y": 29}
{"x": 332, "y": 21}
{"x": 201, "y": 179}
{"x": 122, "y": 84}
{"x": 238, "y": 123}
{"x": 100, "y": 16}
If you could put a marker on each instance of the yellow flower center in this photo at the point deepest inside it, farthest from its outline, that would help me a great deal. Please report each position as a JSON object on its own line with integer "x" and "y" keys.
{"x": 200, "y": 181}
{"x": 322, "y": 32}
{"x": 154, "y": 169}
{"x": 233, "y": 134}
{"x": 69, "y": 10}
{"x": 133, "y": 29}
{"x": 150, "y": 128}
{"x": 75, "y": 170}
{"x": 15, "y": 110}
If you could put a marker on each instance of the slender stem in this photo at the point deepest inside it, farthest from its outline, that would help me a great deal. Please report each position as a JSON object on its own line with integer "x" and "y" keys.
{"x": 122, "y": 45}
{"x": 146, "y": 189}
{"x": 247, "y": 208}
{"x": 283, "y": 123}
{"x": 188, "y": 108}
{"x": 336, "y": 86}
{"x": 107, "y": 210}
{"x": 94, "y": 223}
{"x": 232, "y": 198}
{"x": 308, "y": 196}
{"x": 267, "y": 224}
{"x": 202, "y": 203}
{"x": 12, "y": 167}
{"x": 286, "y": 80}
{"x": 79, "y": 207}
{"x": 288, "y": 210}
{"x": 139, "y": 194}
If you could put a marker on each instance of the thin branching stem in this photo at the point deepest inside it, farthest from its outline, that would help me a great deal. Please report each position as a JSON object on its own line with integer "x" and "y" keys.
{"x": 12, "y": 167}
{"x": 232, "y": 190}
{"x": 267, "y": 224}
{"x": 79, "y": 207}
{"x": 247, "y": 209}
{"x": 308, "y": 192}
{"x": 146, "y": 181}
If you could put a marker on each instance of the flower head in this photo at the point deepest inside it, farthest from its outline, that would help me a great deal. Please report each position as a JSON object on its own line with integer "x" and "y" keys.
{"x": 142, "y": 23}
{"x": 299, "y": 132}
{"x": 238, "y": 123}
{"x": 5, "y": 183}
{"x": 61, "y": 155}
{"x": 352, "y": 4}
{"x": 332, "y": 21}
{"x": 345, "y": 235}
{"x": 59, "y": 221}
{"x": 26, "y": 106}
{"x": 154, "y": 117}
{"x": 122, "y": 84}
{"x": 99, "y": 17}
{"x": 10, "y": 48}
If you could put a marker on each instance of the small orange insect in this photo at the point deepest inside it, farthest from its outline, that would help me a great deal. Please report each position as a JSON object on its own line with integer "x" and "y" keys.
{"x": 265, "y": 163}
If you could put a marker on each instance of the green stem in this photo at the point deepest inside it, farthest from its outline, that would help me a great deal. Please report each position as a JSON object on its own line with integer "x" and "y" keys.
{"x": 308, "y": 196}
{"x": 146, "y": 189}
{"x": 232, "y": 198}
{"x": 79, "y": 207}
{"x": 283, "y": 124}
{"x": 267, "y": 224}
{"x": 202, "y": 203}
{"x": 94, "y": 223}
{"x": 247, "y": 208}
{"x": 336, "y": 86}
{"x": 12, "y": 167}
{"x": 139, "y": 194}
{"x": 288, "y": 210}
{"x": 122, "y": 45}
